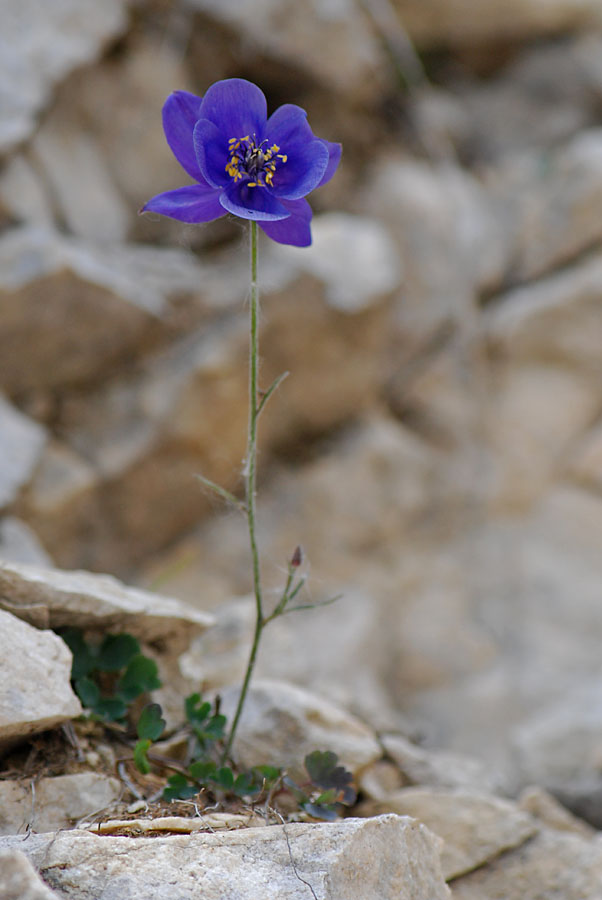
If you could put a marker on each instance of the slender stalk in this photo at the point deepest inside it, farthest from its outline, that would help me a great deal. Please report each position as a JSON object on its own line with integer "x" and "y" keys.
{"x": 250, "y": 473}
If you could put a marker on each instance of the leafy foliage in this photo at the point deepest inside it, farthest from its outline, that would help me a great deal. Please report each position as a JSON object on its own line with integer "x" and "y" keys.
{"x": 109, "y": 676}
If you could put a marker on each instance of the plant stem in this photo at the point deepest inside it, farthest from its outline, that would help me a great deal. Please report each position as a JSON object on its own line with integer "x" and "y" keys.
{"x": 250, "y": 473}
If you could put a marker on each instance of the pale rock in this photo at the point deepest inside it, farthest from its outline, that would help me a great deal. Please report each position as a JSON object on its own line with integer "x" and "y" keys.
{"x": 68, "y": 311}
{"x": 22, "y": 444}
{"x": 23, "y": 195}
{"x": 283, "y": 723}
{"x": 541, "y": 97}
{"x": 63, "y": 490}
{"x": 88, "y": 201}
{"x": 448, "y": 240}
{"x": 51, "y": 804}
{"x": 554, "y": 320}
{"x": 550, "y": 865}
{"x": 560, "y": 746}
{"x": 35, "y": 689}
{"x": 99, "y": 602}
{"x": 466, "y": 22}
{"x": 546, "y": 809}
{"x": 475, "y": 827}
{"x": 330, "y": 41}
{"x": 353, "y": 256}
{"x": 388, "y": 858}
{"x": 532, "y": 584}
{"x": 585, "y": 464}
{"x": 550, "y": 216}
{"x": 19, "y": 880}
{"x": 347, "y": 664}
{"x": 19, "y": 544}
{"x": 40, "y": 44}
{"x": 529, "y": 438}
{"x": 440, "y": 768}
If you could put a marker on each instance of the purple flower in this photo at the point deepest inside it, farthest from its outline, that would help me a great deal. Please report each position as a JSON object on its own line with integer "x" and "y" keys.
{"x": 244, "y": 162}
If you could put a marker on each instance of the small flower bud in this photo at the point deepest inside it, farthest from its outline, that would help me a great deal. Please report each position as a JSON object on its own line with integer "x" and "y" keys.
{"x": 297, "y": 557}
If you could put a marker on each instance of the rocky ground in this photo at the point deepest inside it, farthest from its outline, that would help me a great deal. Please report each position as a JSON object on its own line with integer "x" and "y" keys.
{"x": 436, "y": 450}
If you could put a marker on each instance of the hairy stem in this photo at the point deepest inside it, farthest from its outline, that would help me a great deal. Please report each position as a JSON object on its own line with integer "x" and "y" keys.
{"x": 250, "y": 473}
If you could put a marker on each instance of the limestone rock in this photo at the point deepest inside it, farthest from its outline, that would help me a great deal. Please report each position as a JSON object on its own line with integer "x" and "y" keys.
{"x": 550, "y": 218}
{"x": 39, "y": 45}
{"x": 19, "y": 880}
{"x": 20, "y": 449}
{"x": 546, "y": 809}
{"x": 19, "y": 544}
{"x": 465, "y": 22}
{"x": 113, "y": 313}
{"x": 283, "y": 723}
{"x": 332, "y": 41}
{"x": 550, "y": 865}
{"x": 440, "y": 768}
{"x": 388, "y": 858}
{"x": 35, "y": 689}
{"x": 98, "y": 602}
{"x": 88, "y": 200}
{"x": 55, "y": 803}
{"x": 475, "y": 827}
{"x": 555, "y": 319}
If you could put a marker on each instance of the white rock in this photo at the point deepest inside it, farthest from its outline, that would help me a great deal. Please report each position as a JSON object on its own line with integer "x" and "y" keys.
{"x": 19, "y": 544}
{"x": 468, "y": 22}
{"x": 283, "y": 723}
{"x": 101, "y": 602}
{"x": 388, "y": 858}
{"x": 331, "y": 40}
{"x": 355, "y": 258}
{"x": 35, "y": 672}
{"x": 40, "y": 43}
{"x": 440, "y": 768}
{"x": 19, "y": 880}
{"x": 50, "y": 804}
{"x": 550, "y": 865}
{"x": 554, "y": 319}
{"x": 475, "y": 827}
{"x": 20, "y": 449}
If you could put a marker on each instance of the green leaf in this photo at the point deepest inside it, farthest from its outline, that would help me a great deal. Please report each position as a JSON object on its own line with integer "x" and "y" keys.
{"x": 224, "y": 777}
{"x": 112, "y": 709}
{"x": 324, "y": 772}
{"x": 140, "y": 677}
{"x": 246, "y": 784}
{"x": 140, "y": 758}
{"x": 179, "y": 788}
{"x": 150, "y": 724}
{"x": 84, "y": 655}
{"x": 215, "y": 727}
{"x": 269, "y": 773}
{"x": 196, "y": 709}
{"x": 116, "y": 651}
{"x": 202, "y": 770}
{"x": 88, "y": 692}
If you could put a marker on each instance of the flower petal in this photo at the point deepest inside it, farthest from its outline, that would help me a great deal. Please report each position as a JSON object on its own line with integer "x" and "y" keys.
{"x": 303, "y": 170}
{"x": 334, "y": 158}
{"x": 236, "y": 106}
{"x": 195, "y": 203}
{"x": 296, "y": 229}
{"x": 252, "y": 203}
{"x": 212, "y": 153}
{"x": 286, "y": 125}
{"x": 180, "y": 115}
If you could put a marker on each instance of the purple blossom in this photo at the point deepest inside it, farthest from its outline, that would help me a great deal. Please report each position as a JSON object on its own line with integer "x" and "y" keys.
{"x": 244, "y": 162}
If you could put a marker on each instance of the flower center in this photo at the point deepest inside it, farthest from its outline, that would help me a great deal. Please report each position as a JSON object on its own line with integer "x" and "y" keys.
{"x": 253, "y": 161}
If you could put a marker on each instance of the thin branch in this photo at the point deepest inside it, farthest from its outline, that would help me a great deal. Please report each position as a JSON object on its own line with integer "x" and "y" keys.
{"x": 273, "y": 387}
{"x": 222, "y": 492}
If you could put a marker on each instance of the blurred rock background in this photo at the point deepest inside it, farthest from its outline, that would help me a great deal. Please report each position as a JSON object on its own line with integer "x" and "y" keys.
{"x": 437, "y": 448}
